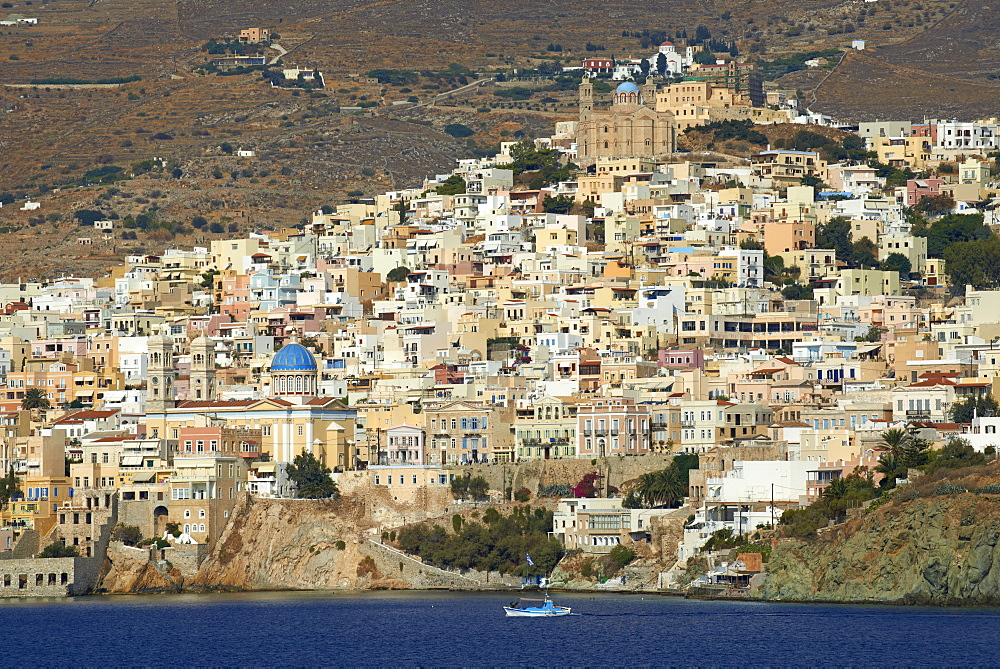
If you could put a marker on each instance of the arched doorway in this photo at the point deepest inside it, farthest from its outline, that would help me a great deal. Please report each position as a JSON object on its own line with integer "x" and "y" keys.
{"x": 160, "y": 518}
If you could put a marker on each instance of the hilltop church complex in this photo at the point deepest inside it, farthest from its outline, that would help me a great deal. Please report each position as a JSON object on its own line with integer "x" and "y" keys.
{"x": 630, "y": 128}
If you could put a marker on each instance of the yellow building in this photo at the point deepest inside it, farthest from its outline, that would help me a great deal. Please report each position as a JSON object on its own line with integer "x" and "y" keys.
{"x": 787, "y": 168}
{"x": 321, "y": 426}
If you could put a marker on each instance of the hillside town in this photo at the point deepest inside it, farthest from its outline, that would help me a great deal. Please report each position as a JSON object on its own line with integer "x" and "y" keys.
{"x": 592, "y": 295}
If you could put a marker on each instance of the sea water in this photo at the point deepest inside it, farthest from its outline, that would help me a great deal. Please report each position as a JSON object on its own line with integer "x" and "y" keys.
{"x": 470, "y": 629}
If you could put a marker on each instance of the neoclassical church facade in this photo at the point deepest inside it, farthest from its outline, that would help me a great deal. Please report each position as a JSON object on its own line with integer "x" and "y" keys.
{"x": 630, "y": 128}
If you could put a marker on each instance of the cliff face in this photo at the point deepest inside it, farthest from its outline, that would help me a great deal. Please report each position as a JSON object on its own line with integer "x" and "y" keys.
{"x": 930, "y": 550}
{"x": 131, "y": 570}
{"x": 315, "y": 544}
{"x": 270, "y": 544}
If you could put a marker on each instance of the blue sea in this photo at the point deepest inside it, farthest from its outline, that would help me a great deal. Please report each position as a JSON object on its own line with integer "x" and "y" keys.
{"x": 458, "y": 629}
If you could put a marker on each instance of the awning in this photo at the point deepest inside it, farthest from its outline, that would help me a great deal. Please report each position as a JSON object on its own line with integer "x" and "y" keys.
{"x": 131, "y": 461}
{"x": 144, "y": 477}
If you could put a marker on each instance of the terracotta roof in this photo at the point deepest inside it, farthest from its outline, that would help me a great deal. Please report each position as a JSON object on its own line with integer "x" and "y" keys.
{"x": 89, "y": 415}
{"x": 930, "y": 383}
{"x": 321, "y": 401}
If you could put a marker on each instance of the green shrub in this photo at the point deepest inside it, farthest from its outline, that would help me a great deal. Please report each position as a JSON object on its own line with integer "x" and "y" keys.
{"x": 340, "y": 545}
{"x": 459, "y": 130}
{"x": 622, "y": 555}
{"x": 58, "y": 549}
{"x": 130, "y": 535}
{"x": 948, "y": 488}
{"x": 989, "y": 489}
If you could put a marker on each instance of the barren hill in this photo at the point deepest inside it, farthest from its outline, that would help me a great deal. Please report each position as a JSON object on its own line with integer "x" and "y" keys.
{"x": 948, "y": 70}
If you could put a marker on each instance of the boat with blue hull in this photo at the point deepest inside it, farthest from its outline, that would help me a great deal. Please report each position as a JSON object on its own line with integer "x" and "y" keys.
{"x": 548, "y": 609}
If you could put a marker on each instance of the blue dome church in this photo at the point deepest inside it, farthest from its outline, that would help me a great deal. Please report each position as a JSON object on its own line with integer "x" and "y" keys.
{"x": 631, "y": 126}
{"x": 293, "y": 371}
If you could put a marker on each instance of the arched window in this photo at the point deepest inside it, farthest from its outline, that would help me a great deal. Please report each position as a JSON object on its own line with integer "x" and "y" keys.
{"x": 605, "y": 145}
{"x": 298, "y": 384}
{"x": 605, "y": 128}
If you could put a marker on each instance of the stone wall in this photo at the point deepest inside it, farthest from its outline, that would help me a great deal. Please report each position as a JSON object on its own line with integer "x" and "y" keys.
{"x": 28, "y": 545}
{"x": 413, "y": 573}
{"x": 186, "y": 558}
{"x": 48, "y": 577}
{"x": 532, "y": 474}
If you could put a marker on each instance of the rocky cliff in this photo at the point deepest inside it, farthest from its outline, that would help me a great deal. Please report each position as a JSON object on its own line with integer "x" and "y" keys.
{"x": 934, "y": 549}
{"x": 135, "y": 570}
{"x": 315, "y": 544}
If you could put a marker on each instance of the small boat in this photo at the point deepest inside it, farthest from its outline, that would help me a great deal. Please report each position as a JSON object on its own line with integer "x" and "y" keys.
{"x": 547, "y": 609}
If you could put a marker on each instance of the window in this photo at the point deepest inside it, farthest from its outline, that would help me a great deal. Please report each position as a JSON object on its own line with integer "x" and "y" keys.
{"x": 201, "y": 513}
{"x": 187, "y": 513}
{"x": 300, "y": 430}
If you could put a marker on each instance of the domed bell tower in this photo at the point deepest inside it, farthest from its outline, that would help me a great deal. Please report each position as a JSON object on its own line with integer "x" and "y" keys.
{"x": 160, "y": 373}
{"x": 202, "y": 370}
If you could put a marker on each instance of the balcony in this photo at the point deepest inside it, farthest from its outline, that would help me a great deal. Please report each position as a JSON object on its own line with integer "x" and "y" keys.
{"x": 550, "y": 441}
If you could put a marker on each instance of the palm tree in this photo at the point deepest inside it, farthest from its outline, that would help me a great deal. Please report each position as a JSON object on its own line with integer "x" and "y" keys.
{"x": 34, "y": 398}
{"x": 837, "y": 489}
{"x": 888, "y": 465}
{"x": 895, "y": 441}
{"x": 662, "y": 488}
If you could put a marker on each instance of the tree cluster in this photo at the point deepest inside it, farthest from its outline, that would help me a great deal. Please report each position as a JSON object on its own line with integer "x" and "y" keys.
{"x": 664, "y": 488}
{"x": 842, "y": 494}
{"x": 58, "y": 549}
{"x": 951, "y": 229}
{"x": 499, "y": 543}
{"x": 964, "y": 411}
{"x": 470, "y": 487}
{"x": 9, "y": 488}
{"x": 311, "y": 478}
{"x": 537, "y": 167}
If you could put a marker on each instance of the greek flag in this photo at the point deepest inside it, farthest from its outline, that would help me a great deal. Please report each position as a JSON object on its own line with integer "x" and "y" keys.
{"x": 528, "y": 557}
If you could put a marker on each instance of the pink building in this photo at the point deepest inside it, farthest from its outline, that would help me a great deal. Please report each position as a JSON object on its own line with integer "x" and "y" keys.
{"x": 917, "y": 189}
{"x": 692, "y": 358}
{"x": 612, "y": 426}
{"x": 405, "y": 445}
